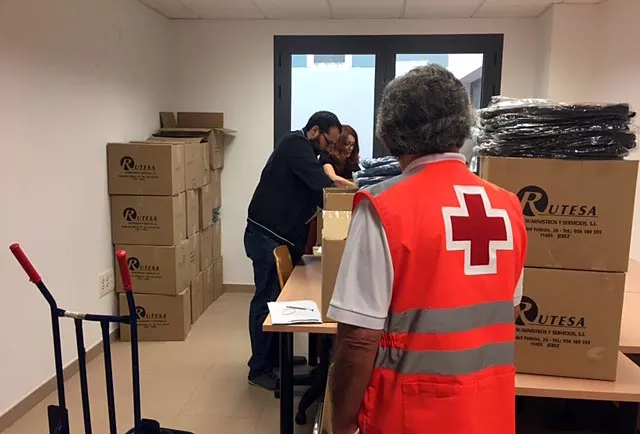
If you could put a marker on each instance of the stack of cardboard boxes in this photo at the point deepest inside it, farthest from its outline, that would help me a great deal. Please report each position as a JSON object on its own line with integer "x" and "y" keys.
{"x": 207, "y": 129}
{"x": 579, "y": 216}
{"x": 164, "y": 195}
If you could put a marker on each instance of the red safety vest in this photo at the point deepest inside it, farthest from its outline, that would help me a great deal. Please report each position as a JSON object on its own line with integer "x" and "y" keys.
{"x": 445, "y": 364}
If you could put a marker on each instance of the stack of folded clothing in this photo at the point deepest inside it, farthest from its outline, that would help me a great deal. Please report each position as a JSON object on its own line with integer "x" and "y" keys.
{"x": 538, "y": 128}
{"x": 376, "y": 170}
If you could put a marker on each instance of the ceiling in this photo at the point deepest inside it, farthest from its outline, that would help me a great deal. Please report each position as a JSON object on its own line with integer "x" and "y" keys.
{"x": 345, "y": 9}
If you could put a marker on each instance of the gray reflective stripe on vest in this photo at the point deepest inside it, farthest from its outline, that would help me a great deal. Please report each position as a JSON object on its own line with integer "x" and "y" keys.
{"x": 377, "y": 189}
{"x": 450, "y": 320}
{"x": 446, "y": 362}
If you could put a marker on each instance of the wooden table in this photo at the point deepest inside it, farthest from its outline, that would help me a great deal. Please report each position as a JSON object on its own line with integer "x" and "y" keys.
{"x": 630, "y": 328}
{"x": 305, "y": 284}
{"x": 626, "y": 388}
{"x": 633, "y": 277}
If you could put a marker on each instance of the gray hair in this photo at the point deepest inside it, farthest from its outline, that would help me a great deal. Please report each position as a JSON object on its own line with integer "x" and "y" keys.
{"x": 426, "y": 111}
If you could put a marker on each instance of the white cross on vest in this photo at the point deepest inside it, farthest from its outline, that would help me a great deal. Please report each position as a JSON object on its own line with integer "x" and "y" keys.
{"x": 477, "y": 229}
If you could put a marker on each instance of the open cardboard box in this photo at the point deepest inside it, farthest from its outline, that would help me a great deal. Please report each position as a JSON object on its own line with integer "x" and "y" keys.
{"x": 326, "y": 423}
{"x": 334, "y": 199}
{"x": 208, "y": 127}
{"x": 334, "y": 235}
{"x": 339, "y": 199}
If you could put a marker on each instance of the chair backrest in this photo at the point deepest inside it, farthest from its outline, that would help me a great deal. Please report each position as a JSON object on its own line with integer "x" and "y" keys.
{"x": 284, "y": 264}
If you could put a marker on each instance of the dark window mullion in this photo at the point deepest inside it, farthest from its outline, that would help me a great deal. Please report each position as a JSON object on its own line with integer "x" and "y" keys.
{"x": 385, "y": 72}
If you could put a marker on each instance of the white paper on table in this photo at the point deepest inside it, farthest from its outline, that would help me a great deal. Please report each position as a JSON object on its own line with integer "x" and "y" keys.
{"x": 295, "y": 312}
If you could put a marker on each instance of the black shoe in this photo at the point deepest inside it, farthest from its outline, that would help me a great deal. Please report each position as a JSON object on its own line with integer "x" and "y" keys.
{"x": 267, "y": 381}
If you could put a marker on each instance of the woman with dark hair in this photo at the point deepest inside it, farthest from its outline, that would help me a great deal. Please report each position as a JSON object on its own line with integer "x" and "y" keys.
{"x": 342, "y": 158}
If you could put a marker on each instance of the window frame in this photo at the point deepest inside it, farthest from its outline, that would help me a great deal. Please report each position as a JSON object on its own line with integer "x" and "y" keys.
{"x": 385, "y": 48}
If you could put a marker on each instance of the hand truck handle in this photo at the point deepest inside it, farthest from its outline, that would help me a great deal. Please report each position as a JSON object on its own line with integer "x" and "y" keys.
{"x": 123, "y": 264}
{"x": 26, "y": 264}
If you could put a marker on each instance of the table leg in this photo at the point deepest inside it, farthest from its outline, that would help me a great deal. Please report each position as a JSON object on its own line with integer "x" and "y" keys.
{"x": 286, "y": 383}
{"x": 313, "y": 349}
{"x": 627, "y": 420}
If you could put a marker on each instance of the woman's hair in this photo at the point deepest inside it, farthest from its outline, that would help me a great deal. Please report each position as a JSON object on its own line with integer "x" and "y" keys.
{"x": 426, "y": 111}
{"x": 339, "y": 151}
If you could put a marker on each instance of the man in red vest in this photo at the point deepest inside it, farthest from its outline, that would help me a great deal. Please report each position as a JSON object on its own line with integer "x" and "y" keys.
{"x": 431, "y": 272}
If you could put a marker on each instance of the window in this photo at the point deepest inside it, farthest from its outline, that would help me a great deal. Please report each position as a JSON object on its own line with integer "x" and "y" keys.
{"x": 346, "y": 75}
{"x": 346, "y": 90}
{"x": 328, "y": 58}
{"x": 298, "y": 61}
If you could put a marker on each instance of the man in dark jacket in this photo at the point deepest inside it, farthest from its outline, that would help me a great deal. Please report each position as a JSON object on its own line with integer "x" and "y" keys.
{"x": 285, "y": 200}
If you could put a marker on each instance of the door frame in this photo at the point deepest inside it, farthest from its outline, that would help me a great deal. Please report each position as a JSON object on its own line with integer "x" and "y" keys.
{"x": 385, "y": 48}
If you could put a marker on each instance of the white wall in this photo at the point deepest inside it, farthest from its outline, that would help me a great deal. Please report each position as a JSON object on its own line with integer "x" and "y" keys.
{"x": 570, "y": 36}
{"x": 543, "y": 76}
{"x": 228, "y": 66}
{"x": 590, "y": 53}
{"x": 74, "y": 74}
{"x": 617, "y": 70}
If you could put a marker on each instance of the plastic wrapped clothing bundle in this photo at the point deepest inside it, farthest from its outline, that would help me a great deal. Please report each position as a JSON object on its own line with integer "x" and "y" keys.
{"x": 373, "y": 180}
{"x": 391, "y": 169}
{"x": 376, "y": 170}
{"x": 545, "y": 129}
{"x": 369, "y": 163}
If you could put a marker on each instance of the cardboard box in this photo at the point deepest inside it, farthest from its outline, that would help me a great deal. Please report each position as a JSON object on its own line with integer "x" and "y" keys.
{"x": 216, "y": 239}
{"x": 334, "y": 235}
{"x": 146, "y": 168}
{"x": 578, "y": 213}
{"x": 148, "y": 220}
{"x": 216, "y": 150}
{"x": 339, "y": 199}
{"x": 326, "y": 423}
{"x": 206, "y": 248}
{"x": 163, "y": 270}
{"x": 208, "y": 286}
{"x": 200, "y": 120}
{"x": 197, "y": 172}
{"x": 197, "y": 298}
{"x": 216, "y": 189}
{"x": 193, "y": 212}
{"x": 206, "y": 199}
{"x": 160, "y": 317}
{"x": 218, "y": 282}
{"x": 217, "y": 138}
{"x": 570, "y": 323}
{"x": 196, "y": 152}
{"x": 194, "y": 254}
{"x": 168, "y": 120}
{"x": 212, "y": 283}
{"x": 319, "y": 229}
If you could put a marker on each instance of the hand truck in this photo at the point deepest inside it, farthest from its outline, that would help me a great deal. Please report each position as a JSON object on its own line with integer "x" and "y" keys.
{"x": 58, "y": 415}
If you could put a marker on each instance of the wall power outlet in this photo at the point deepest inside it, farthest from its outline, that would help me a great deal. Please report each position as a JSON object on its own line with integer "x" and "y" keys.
{"x": 106, "y": 283}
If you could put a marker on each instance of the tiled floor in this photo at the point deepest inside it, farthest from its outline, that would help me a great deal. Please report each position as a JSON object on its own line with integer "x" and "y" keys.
{"x": 198, "y": 385}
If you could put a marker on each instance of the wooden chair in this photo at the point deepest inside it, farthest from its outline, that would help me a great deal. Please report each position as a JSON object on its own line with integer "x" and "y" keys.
{"x": 284, "y": 264}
